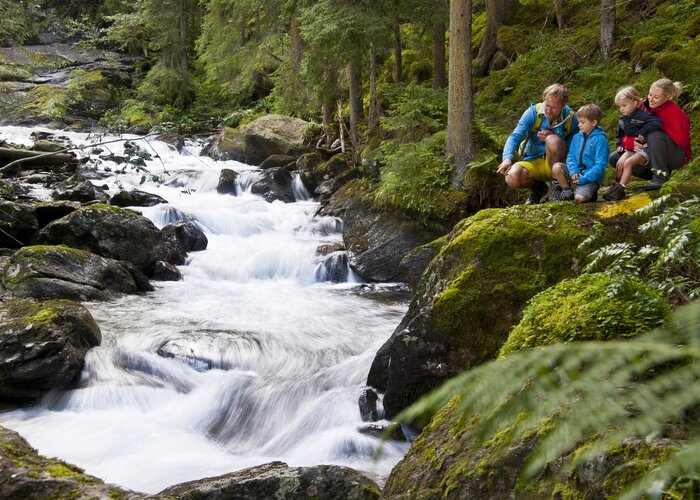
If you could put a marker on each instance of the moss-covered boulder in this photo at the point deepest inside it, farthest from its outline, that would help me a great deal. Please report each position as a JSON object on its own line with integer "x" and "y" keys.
{"x": 42, "y": 346}
{"x": 27, "y": 475}
{"x": 474, "y": 291}
{"x": 376, "y": 241}
{"x": 17, "y": 224}
{"x": 229, "y": 144}
{"x": 278, "y": 480}
{"x": 59, "y": 272}
{"x": 590, "y": 307}
{"x": 136, "y": 198}
{"x": 274, "y": 135}
{"x": 448, "y": 460}
{"x": 115, "y": 233}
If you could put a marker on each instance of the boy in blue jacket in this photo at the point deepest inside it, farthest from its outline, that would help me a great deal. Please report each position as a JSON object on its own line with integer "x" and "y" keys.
{"x": 585, "y": 164}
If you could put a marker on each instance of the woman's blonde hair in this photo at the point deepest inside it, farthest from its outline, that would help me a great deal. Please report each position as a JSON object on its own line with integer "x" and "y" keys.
{"x": 671, "y": 89}
{"x": 628, "y": 93}
{"x": 556, "y": 90}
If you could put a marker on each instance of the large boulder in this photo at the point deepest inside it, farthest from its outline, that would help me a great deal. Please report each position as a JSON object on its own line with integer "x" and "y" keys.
{"x": 49, "y": 211}
{"x": 115, "y": 233}
{"x": 448, "y": 460}
{"x": 278, "y": 480}
{"x": 474, "y": 291}
{"x": 80, "y": 189}
{"x": 376, "y": 241}
{"x": 42, "y": 346}
{"x": 24, "y": 474}
{"x": 58, "y": 272}
{"x": 17, "y": 224}
{"x": 229, "y": 144}
{"x": 274, "y": 135}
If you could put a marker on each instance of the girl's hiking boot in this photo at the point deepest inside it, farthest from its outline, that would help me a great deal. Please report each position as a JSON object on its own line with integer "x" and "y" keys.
{"x": 536, "y": 193}
{"x": 615, "y": 192}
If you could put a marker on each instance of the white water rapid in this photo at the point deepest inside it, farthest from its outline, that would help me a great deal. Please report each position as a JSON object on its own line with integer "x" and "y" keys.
{"x": 252, "y": 357}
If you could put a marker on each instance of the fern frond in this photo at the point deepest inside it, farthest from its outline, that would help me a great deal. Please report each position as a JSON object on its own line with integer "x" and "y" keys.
{"x": 600, "y": 393}
{"x": 653, "y": 206}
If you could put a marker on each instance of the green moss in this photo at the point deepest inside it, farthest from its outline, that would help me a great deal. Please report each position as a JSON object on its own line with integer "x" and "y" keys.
{"x": 680, "y": 64}
{"x": 590, "y": 307}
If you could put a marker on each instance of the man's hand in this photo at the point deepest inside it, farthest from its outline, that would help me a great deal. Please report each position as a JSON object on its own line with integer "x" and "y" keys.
{"x": 542, "y": 134}
{"x": 574, "y": 178}
{"x": 505, "y": 166}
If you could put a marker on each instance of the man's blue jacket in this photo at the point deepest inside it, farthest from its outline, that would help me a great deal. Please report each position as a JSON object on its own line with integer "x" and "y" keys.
{"x": 535, "y": 147}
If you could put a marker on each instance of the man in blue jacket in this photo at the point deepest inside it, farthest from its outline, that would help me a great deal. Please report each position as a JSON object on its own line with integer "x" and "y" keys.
{"x": 540, "y": 140}
{"x": 585, "y": 165}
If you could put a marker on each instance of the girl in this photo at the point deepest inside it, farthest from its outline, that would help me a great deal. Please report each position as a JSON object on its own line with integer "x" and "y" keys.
{"x": 634, "y": 126}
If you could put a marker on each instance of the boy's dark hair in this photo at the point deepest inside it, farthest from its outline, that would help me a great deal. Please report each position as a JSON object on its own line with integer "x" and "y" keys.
{"x": 591, "y": 112}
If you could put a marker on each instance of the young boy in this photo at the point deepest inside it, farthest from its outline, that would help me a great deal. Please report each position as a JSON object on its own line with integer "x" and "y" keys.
{"x": 586, "y": 161}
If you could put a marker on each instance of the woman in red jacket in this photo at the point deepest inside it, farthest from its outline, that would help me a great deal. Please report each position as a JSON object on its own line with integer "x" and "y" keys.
{"x": 669, "y": 148}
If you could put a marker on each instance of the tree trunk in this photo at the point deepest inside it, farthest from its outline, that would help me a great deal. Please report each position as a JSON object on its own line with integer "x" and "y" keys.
{"x": 398, "y": 61}
{"x": 498, "y": 12}
{"x": 607, "y": 27}
{"x": 327, "y": 112}
{"x": 296, "y": 42}
{"x": 439, "y": 75}
{"x": 559, "y": 10}
{"x": 355, "y": 99}
{"x": 460, "y": 112}
{"x": 372, "y": 111}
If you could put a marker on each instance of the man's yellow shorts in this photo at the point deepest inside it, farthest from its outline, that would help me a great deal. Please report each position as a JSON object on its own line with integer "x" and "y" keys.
{"x": 538, "y": 169}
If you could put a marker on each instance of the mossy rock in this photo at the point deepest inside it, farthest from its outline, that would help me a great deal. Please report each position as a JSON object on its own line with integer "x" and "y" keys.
{"x": 448, "y": 460}
{"x": 679, "y": 65}
{"x": 26, "y": 474}
{"x": 589, "y": 307}
{"x": 474, "y": 291}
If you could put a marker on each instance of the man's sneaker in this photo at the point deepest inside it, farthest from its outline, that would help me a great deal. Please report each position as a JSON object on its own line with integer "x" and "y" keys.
{"x": 656, "y": 182}
{"x": 615, "y": 192}
{"x": 536, "y": 193}
{"x": 567, "y": 194}
{"x": 554, "y": 191}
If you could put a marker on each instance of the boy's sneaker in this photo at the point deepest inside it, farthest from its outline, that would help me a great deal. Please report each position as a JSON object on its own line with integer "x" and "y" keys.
{"x": 536, "y": 193}
{"x": 554, "y": 191}
{"x": 567, "y": 194}
{"x": 615, "y": 192}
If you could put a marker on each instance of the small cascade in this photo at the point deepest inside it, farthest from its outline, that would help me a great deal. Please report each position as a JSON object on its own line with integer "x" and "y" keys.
{"x": 259, "y": 354}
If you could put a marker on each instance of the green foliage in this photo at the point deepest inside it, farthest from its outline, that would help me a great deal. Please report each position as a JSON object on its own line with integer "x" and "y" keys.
{"x": 415, "y": 180}
{"x": 16, "y": 25}
{"x": 601, "y": 393}
{"x": 668, "y": 259}
{"x": 413, "y": 112}
{"x": 127, "y": 32}
{"x": 589, "y": 307}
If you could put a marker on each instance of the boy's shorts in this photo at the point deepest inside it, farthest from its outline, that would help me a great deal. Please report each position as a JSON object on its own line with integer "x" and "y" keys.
{"x": 538, "y": 169}
{"x": 588, "y": 191}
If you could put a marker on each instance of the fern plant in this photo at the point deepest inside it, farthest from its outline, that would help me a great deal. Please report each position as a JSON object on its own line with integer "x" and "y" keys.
{"x": 597, "y": 393}
{"x": 668, "y": 260}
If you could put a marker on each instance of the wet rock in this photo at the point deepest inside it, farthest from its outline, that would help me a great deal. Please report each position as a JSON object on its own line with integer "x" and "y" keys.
{"x": 416, "y": 261}
{"x": 306, "y": 165}
{"x": 48, "y": 272}
{"x": 24, "y": 474}
{"x": 187, "y": 235}
{"x": 391, "y": 431}
{"x": 274, "y": 184}
{"x": 376, "y": 241}
{"x": 368, "y": 405}
{"x": 115, "y": 233}
{"x": 227, "y": 182}
{"x": 279, "y": 161}
{"x": 164, "y": 271}
{"x": 42, "y": 346}
{"x": 47, "y": 146}
{"x": 136, "y": 198}
{"x": 330, "y": 248}
{"x": 278, "y": 480}
{"x": 79, "y": 188}
{"x": 333, "y": 268}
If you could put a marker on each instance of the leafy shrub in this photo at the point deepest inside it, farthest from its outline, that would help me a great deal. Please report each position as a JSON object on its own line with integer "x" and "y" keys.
{"x": 413, "y": 112}
{"x": 589, "y": 307}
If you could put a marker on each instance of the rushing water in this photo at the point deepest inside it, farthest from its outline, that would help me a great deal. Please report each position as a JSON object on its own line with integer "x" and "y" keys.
{"x": 252, "y": 357}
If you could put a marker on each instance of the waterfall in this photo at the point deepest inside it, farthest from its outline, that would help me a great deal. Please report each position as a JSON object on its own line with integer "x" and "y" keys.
{"x": 260, "y": 353}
